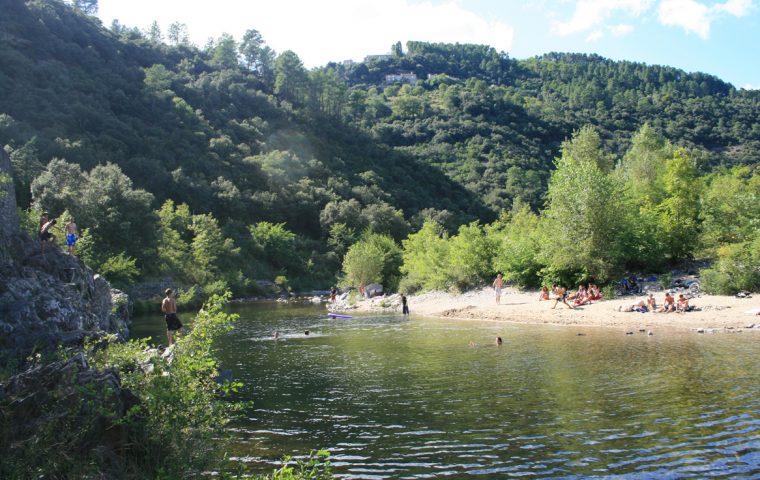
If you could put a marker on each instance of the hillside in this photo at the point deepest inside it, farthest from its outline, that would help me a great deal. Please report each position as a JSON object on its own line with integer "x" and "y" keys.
{"x": 248, "y": 136}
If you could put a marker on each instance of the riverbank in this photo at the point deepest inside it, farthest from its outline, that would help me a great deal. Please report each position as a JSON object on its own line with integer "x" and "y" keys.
{"x": 715, "y": 312}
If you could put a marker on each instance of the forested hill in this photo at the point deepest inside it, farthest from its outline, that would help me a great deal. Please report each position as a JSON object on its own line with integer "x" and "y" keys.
{"x": 250, "y": 137}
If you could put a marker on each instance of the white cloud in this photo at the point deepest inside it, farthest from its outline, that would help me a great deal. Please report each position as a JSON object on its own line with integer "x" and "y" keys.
{"x": 329, "y": 30}
{"x": 687, "y": 14}
{"x": 594, "y": 36}
{"x": 749, "y": 86}
{"x": 621, "y": 30}
{"x": 696, "y": 17}
{"x": 590, "y": 14}
{"x": 737, "y": 8}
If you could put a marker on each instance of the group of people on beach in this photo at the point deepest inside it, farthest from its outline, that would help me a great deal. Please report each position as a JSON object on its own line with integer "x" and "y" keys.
{"x": 583, "y": 296}
{"x": 45, "y": 234}
{"x": 669, "y": 304}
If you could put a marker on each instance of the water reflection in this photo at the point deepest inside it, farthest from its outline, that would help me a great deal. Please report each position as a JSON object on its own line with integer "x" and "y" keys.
{"x": 417, "y": 398}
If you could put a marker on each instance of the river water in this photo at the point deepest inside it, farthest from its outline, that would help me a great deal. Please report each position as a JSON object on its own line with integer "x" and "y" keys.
{"x": 395, "y": 397}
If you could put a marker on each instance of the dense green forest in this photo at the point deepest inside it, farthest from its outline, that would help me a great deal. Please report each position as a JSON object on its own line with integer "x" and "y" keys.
{"x": 221, "y": 165}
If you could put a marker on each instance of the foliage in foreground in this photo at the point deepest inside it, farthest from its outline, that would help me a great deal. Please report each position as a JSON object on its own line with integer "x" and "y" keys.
{"x": 316, "y": 467}
{"x": 178, "y": 428}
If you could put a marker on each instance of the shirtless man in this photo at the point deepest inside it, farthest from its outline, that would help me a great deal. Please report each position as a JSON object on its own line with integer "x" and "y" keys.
{"x": 44, "y": 234}
{"x": 169, "y": 307}
{"x": 71, "y": 235}
{"x": 668, "y": 304}
{"x": 561, "y": 293}
{"x": 682, "y": 306}
{"x": 651, "y": 303}
{"x": 497, "y": 284}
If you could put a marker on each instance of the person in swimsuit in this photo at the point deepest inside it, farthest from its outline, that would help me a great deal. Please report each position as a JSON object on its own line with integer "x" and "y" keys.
{"x": 45, "y": 235}
{"x": 71, "y": 235}
{"x": 173, "y": 324}
{"x": 404, "y": 306}
{"x": 497, "y": 285}
{"x": 561, "y": 293}
{"x": 544, "y": 294}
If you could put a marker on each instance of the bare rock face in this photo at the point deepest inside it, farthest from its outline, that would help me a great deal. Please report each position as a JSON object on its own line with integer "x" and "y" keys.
{"x": 54, "y": 298}
{"x": 48, "y": 299}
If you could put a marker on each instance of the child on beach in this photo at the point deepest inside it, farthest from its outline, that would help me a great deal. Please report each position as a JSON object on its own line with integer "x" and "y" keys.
{"x": 544, "y": 294}
{"x": 561, "y": 293}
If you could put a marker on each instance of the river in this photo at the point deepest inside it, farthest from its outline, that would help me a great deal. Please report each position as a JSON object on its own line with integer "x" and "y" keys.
{"x": 395, "y": 397}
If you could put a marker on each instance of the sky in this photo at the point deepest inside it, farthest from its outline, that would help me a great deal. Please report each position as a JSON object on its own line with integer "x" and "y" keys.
{"x": 720, "y": 37}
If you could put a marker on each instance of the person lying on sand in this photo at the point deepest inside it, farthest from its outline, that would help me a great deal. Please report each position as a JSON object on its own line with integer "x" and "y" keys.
{"x": 635, "y": 307}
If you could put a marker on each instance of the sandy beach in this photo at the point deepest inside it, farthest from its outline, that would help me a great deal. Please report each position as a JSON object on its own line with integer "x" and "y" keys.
{"x": 715, "y": 313}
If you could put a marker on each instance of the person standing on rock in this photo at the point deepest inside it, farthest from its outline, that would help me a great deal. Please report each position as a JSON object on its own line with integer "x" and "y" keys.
{"x": 45, "y": 235}
{"x": 71, "y": 235}
{"x": 169, "y": 307}
{"x": 497, "y": 286}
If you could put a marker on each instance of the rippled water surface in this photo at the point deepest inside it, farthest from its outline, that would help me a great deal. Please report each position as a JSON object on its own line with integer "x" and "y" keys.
{"x": 391, "y": 397}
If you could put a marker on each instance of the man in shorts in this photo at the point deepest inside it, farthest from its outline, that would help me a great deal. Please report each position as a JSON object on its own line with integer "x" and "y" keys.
{"x": 169, "y": 307}
{"x": 71, "y": 235}
{"x": 497, "y": 286}
{"x": 44, "y": 234}
{"x": 561, "y": 296}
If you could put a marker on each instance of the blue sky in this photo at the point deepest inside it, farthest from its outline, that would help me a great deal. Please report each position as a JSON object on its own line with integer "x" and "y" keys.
{"x": 717, "y": 37}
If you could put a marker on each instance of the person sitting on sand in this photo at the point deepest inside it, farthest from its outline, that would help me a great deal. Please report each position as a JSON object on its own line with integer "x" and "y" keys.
{"x": 561, "y": 296}
{"x": 582, "y": 298}
{"x": 682, "y": 306}
{"x": 651, "y": 302}
{"x": 544, "y": 294}
{"x": 593, "y": 293}
{"x": 668, "y": 304}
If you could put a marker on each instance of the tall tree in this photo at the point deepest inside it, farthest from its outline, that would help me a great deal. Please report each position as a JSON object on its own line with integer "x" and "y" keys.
{"x": 154, "y": 32}
{"x": 177, "y": 34}
{"x": 224, "y": 52}
{"x": 291, "y": 77}
{"x": 679, "y": 211}
{"x": 585, "y": 211}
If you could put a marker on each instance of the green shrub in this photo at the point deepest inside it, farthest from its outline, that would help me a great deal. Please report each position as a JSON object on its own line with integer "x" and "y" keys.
{"x": 178, "y": 428}
{"x": 608, "y": 292}
{"x": 120, "y": 270}
{"x": 188, "y": 298}
{"x": 737, "y": 269}
{"x": 317, "y": 467}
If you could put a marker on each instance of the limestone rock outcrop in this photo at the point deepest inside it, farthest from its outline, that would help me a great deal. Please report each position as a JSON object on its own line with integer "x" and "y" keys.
{"x": 52, "y": 298}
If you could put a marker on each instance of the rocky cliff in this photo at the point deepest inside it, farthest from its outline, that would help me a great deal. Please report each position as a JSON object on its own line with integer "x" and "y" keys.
{"x": 60, "y": 416}
{"x": 51, "y": 298}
